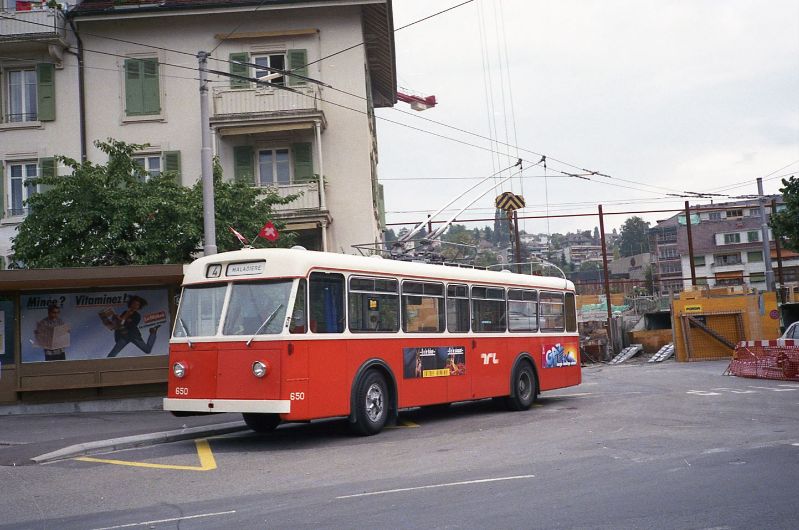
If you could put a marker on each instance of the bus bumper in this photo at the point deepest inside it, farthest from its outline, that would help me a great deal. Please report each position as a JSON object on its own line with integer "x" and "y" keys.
{"x": 277, "y": 406}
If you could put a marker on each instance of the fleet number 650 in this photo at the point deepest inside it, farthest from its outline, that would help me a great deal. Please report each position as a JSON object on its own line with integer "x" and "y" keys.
{"x": 297, "y": 396}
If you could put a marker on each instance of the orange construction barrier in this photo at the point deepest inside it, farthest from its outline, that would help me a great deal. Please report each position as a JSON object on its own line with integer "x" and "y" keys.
{"x": 766, "y": 359}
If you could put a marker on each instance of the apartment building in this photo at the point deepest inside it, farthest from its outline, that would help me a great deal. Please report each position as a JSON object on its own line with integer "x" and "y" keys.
{"x": 727, "y": 248}
{"x": 127, "y": 69}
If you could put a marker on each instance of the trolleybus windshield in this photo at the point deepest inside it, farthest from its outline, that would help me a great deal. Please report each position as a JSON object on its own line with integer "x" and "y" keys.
{"x": 254, "y": 308}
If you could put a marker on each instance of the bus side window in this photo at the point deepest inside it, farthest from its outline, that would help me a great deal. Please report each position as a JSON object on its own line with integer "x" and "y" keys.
{"x": 457, "y": 308}
{"x": 326, "y": 313}
{"x": 299, "y": 314}
{"x": 488, "y": 309}
{"x": 571, "y": 313}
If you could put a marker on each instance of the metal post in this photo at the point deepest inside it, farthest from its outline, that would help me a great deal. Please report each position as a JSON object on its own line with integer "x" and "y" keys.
{"x": 607, "y": 278}
{"x": 764, "y": 234}
{"x": 690, "y": 244}
{"x": 518, "y": 249}
{"x": 209, "y": 216}
{"x": 778, "y": 248}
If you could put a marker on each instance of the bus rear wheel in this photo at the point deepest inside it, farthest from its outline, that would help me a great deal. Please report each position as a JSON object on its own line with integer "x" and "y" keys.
{"x": 261, "y": 423}
{"x": 524, "y": 388}
{"x": 371, "y": 404}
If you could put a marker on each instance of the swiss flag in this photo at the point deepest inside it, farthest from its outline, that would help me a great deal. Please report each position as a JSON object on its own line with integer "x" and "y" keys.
{"x": 239, "y": 236}
{"x": 268, "y": 232}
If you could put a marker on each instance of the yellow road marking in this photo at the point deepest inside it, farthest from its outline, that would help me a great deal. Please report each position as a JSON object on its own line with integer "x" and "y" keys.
{"x": 207, "y": 461}
{"x": 404, "y": 424}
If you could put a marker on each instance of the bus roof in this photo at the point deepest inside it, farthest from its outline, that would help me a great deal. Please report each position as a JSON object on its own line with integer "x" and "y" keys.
{"x": 252, "y": 263}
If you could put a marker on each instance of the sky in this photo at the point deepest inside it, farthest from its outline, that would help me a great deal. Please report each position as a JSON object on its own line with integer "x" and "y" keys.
{"x": 660, "y": 96}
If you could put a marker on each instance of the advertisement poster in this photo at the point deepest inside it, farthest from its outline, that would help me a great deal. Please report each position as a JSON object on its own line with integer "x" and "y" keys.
{"x": 558, "y": 356}
{"x": 439, "y": 361}
{"x": 94, "y": 325}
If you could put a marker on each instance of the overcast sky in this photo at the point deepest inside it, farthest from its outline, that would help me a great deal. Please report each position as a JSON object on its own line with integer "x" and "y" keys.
{"x": 671, "y": 95}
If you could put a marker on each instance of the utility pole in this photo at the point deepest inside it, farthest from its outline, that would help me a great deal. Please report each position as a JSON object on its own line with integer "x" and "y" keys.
{"x": 209, "y": 216}
{"x": 606, "y": 281}
{"x": 764, "y": 237}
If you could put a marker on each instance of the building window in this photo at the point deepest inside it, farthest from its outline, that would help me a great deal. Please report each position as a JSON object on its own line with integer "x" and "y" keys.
{"x": 754, "y": 212}
{"x": 732, "y": 214}
{"x": 668, "y": 253}
{"x": 727, "y": 259}
{"x": 754, "y": 256}
{"x": 274, "y": 167}
{"x": 19, "y": 189}
{"x": 151, "y": 164}
{"x": 22, "y": 96}
{"x": 274, "y": 60}
{"x": 714, "y": 216}
{"x": 142, "y": 91}
{"x": 729, "y": 239}
{"x": 670, "y": 268}
{"x": 699, "y": 261}
{"x": 753, "y": 236}
{"x": 757, "y": 277}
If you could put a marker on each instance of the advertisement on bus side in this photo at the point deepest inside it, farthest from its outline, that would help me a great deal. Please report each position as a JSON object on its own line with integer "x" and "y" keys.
{"x": 434, "y": 361}
{"x": 559, "y": 356}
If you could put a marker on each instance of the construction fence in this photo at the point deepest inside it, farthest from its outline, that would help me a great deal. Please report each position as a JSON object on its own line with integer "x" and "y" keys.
{"x": 766, "y": 359}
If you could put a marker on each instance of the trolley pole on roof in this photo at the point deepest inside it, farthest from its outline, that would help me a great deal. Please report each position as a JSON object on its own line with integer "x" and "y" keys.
{"x": 209, "y": 217}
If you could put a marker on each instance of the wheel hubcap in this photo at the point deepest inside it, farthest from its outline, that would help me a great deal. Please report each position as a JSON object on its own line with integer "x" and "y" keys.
{"x": 374, "y": 402}
{"x": 524, "y": 385}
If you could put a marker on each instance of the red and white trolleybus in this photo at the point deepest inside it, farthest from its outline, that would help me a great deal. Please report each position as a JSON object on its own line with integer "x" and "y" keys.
{"x": 296, "y": 335}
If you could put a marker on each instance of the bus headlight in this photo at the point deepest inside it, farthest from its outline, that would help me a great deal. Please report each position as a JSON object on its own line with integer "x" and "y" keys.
{"x": 179, "y": 369}
{"x": 259, "y": 369}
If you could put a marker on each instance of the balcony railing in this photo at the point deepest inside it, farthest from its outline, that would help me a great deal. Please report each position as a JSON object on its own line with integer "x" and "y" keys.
{"x": 36, "y": 24}
{"x": 308, "y": 200}
{"x": 258, "y": 103}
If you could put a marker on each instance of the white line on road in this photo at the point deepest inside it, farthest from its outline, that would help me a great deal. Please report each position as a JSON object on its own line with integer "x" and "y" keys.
{"x": 143, "y": 523}
{"x": 464, "y": 483}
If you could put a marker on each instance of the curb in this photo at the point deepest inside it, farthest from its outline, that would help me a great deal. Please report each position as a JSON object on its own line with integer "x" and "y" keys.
{"x": 141, "y": 440}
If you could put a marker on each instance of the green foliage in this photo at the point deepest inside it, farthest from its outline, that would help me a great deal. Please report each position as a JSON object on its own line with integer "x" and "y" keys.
{"x": 786, "y": 223}
{"x": 634, "y": 237}
{"x": 590, "y": 266}
{"x": 108, "y": 215}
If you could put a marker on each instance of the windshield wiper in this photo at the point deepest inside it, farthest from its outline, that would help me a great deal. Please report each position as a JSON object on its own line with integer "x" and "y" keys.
{"x": 185, "y": 332}
{"x": 265, "y": 323}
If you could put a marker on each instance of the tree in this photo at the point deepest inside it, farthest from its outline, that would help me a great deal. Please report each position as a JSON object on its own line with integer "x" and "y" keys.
{"x": 786, "y": 223}
{"x": 634, "y": 237}
{"x": 110, "y": 215}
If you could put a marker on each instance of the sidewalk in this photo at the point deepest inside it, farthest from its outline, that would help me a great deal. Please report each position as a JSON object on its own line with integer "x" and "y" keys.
{"x": 24, "y": 437}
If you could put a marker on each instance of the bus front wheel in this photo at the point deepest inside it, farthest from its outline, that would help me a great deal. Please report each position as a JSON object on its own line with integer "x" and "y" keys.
{"x": 261, "y": 423}
{"x": 371, "y": 404}
{"x": 524, "y": 388}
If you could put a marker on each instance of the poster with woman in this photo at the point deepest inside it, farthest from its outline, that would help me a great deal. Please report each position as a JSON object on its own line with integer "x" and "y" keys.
{"x": 94, "y": 324}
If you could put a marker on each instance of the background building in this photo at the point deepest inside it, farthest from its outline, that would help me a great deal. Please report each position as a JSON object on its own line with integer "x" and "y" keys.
{"x": 128, "y": 70}
{"x": 727, "y": 248}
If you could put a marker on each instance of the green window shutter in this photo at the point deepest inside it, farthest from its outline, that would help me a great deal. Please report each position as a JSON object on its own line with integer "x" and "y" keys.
{"x": 151, "y": 92}
{"x": 242, "y": 164}
{"x": 47, "y": 168}
{"x": 45, "y": 90}
{"x": 239, "y": 69}
{"x": 142, "y": 90}
{"x": 172, "y": 163}
{"x": 2, "y": 190}
{"x": 298, "y": 63}
{"x": 303, "y": 162}
{"x": 133, "y": 87}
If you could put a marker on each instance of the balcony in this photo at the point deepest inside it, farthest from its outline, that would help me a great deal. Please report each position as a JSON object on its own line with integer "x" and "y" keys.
{"x": 303, "y": 212}
{"x": 26, "y": 29}
{"x": 308, "y": 200}
{"x": 256, "y": 110}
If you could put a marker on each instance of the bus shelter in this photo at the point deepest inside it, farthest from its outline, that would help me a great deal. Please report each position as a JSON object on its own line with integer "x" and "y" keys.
{"x": 86, "y": 333}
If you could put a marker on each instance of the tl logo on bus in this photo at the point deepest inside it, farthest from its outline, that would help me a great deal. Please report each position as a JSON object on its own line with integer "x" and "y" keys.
{"x": 558, "y": 356}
